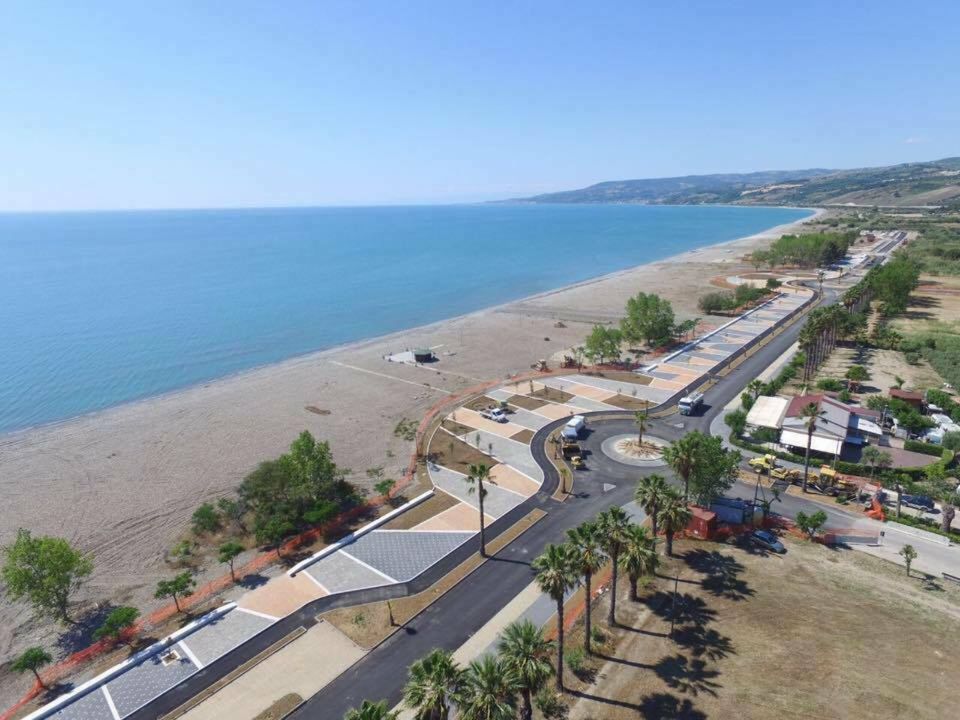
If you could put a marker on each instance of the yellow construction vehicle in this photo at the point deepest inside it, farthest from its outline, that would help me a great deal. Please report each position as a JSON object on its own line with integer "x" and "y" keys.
{"x": 570, "y": 449}
{"x": 788, "y": 474}
{"x": 764, "y": 463}
{"x": 830, "y": 482}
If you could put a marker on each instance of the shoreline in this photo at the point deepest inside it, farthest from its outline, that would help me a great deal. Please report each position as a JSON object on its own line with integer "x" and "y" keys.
{"x": 10, "y": 436}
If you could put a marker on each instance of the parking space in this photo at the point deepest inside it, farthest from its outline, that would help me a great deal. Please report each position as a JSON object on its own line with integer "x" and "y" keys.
{"x": 497, "y": 502}
{"x": 222, "y": 635}
{"x": 404, "y": 554}
{"x": 149, "y": 679}
{"x": 338, "y": 573}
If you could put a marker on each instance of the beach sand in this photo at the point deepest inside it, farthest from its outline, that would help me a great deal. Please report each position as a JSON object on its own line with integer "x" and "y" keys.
{"x": 123, "y": 483}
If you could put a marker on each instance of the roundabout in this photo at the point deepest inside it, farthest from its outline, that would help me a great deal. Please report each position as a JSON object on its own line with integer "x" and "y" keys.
{"x": 625, "y": 449}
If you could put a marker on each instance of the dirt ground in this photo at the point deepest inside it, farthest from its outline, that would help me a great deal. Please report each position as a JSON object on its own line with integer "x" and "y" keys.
{"x": 816, "y": 633}
{"x": 884, "y": 366}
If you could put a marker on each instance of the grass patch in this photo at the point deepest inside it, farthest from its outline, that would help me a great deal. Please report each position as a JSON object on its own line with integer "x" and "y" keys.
{"x": 281, "y": 708}
{"x": 481, "y": 403}
{"x": 552, "y": 394}
{"x": 628, "y": 403}
{"x": 455, "y": 427}
{"x": 525, "y": 402}
{"x": 524, "y": 436}
{"x": 455, "y": 454}
{"x": 427, "y": 509}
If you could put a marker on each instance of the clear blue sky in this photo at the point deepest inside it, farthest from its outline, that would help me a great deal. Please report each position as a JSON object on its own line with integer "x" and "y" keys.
{"x": 196, "y": 104}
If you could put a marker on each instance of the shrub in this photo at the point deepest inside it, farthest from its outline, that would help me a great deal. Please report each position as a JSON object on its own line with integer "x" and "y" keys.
{"x": 926, "y": 448}
{"x": 737, "y": 421}
{"x": 951, "y": 441}
{"x": 575, "y": 660}
{"x": 912, "y": 358}
{"x": 321, "y": 512}
{"x": 205, "y": 519}
{"x": 746, "y": 401}
{"x": 830, "y": 384}
{"x": 773, "y": 283}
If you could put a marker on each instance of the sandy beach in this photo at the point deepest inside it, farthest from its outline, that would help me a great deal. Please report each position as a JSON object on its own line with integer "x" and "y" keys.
{"x": 123, "y": 483}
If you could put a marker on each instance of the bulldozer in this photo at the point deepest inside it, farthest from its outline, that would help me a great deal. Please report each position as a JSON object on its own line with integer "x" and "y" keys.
{"x": 570, "y": 449}
{"x": 764, "y": 463}
{"x": 829, "y": 482}
{"x": 789, "y": 474}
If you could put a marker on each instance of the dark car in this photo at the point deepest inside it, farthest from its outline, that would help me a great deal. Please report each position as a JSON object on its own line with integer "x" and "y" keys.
{"x": 919, "y": 502}
{"x": 767, "y": 540}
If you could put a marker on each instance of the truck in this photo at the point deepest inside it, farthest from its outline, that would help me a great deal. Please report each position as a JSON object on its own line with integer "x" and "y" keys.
{"x": 573, "y": 428}
{"x": 495, "y": 414}
{"x": 571, "y": 451}
{"x": 689, "y": 404}
{"x": 732, "y": 511}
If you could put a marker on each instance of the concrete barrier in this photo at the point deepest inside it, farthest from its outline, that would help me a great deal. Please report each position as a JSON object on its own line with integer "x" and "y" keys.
{"x": 891, "y": 526}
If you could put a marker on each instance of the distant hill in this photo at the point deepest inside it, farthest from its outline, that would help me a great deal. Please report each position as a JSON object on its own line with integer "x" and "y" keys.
{"x": 924, "y": 183}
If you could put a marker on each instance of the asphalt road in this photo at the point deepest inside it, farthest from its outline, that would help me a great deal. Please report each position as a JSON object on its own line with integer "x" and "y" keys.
{"x": 452, "y": 619}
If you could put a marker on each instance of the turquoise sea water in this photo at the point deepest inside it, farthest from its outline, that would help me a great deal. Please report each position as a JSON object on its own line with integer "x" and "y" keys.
{"x": 98, "y": 309}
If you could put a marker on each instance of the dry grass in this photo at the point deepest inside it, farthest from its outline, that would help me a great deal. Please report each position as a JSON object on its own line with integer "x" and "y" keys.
{"x": 481, "y": 403}
{"x": 455, "y": 454}
{"x": 552, "y": 394}
{"x": 628, "y": 403}
{"x": 281, "y": 708}
{"x": 527, "y": 403}
{"x": 456, "y": 428}
{"x": 427, "y": 509}
{"x": 370, "y": 624}
{"x": 817, "y": 633}
{"x": 623, "y": 376}
{"x": 524, "y": 436}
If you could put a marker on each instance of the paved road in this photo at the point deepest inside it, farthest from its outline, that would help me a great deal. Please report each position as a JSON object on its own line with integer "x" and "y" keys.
{"x": 450, "y": 621}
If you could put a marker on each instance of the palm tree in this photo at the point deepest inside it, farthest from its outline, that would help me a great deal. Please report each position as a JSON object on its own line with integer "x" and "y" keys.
{"x": 681, "y": 456}
{"x": 489, "y": 691}
{"x": 821, "y": 275}
{"x": 475, "y": 478}
{"x": 588, "y": 551}
{"x": 638, "y": 558}
{"x": 371, "y": 711}
{"x": 650, "y": 493}
{"x": 556, "y": 574}
{"x": 674, "y": 516}
{"x": 755, "y": 387}
{"x": 526, "y": 653}
{"x": 869, "y": 456}
{"x": 434, "y": 681}
{"x": 614, "y": 524}
{"x": 810, "y": 413}
{"x": 640, "y": 417}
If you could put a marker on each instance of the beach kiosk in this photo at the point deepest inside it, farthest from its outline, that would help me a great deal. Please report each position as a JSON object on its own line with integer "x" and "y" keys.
{"x": 423, "y": 355}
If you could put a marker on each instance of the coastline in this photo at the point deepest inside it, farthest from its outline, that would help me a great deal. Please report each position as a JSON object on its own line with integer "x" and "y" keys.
{"x": 122, "y": 482}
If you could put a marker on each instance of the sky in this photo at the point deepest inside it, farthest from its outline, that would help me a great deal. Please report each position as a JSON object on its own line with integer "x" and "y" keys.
{"x": 121, "y": 105}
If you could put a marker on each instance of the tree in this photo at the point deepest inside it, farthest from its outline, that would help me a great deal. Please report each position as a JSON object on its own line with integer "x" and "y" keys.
{"x": 755, "y": 388}
{"x": 234, "y": 511}
{"x": 638, "y": 558}
{"x": 648, "y": 317}
{"x": 273, "y": 531}
{"x": 45, "y": 571}
{"x": 556, "y": 573}
{"x": 614, "y": 525}
{"x": 31, "y": 660}
{"x": 205, "y": 519}
{"x": 371, "y": 711}
{"x": 229, "y": 552}
{"x": 809, "y": 414}
{"x": 641, "y": 417}
{"x": 898, "y": 382}
{"x": 602, "y": 342}
{"x": 856, "y": 374}
{"x": 682, "y": 455}
{"x": 588, "y": 552}
{"x": 433, "y": 681}
{"x": 673, "y": 516}
{"x": 736, "y": 420}
{"x": 526, "y": 653}
{"x": 116, "y": 622}
{"x": 179, "y": 586}
{"x": 811, "y": 524}
{"x": 475, "y": 478}
{"x": 909, "y": 554}
{"x": 951, "y": 440}
{"x": 652, "y": 491}
{"x": 714, "y": 471}
{"x": 489, "y": 691}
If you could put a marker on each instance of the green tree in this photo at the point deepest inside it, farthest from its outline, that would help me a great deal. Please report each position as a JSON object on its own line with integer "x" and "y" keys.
{"x": 641, "y": 418}
{"x": 737, "y": 421}
{"x": 588, "y": 553}
{"x": 433, "y": 682}
{"x": 755, "y": 388}
{"x": 673, "y": 516}
{"x": 614, "y": 525}
{"x": 809, "y": 414}
{"x": 682, "y": 456}
{"x": 116, "y": 622}
{"x": 476, "y": 476}
{"x": 229, "y": 552}
{"x": 489, "y": 691}
{"x": 371, "y": 711}
{"x": 556, "y": 573}
{"x": 234, "y": 511}
{"x": 652, "y": 491}
{"x": 31, "y": 660}
{"x": 909, "y": 554}
{"x": 951, "y": 441}
{"x": 602, "y": 343}
{"x": 648, "y": 317}
{"x": 205, "y": 519}
{"x": 811, "y": 524}
{"x": 715, "y": 470}
{"x": 856, "y": 374}
{"x": 526, "y": 653}
{"x": 273, "y": 531}
{"x": 638, "y": 558}
{"x": 45, "y": 571}
{"x": 177, "y": 587}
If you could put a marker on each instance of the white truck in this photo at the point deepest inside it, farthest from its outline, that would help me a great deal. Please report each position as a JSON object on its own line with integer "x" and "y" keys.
{"x": 571, "y": 431}
{"x": 689, "y": 404}
{"x": 495, "y": 414}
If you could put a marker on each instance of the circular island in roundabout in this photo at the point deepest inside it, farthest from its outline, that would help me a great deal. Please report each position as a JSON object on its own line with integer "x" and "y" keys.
{"x": 628, "y": 450}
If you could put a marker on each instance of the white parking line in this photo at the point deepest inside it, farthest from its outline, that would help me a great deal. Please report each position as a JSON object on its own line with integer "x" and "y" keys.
{"x": 370, "y": 567}
{"x": 189, "y": 653}
{"x": 316, "y": 582}
{"x": 113, "y": 708}
{"x": 272, "y": 618}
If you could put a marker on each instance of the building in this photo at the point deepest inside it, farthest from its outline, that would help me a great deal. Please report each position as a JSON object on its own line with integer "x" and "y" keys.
{"x": 911, "y": 398}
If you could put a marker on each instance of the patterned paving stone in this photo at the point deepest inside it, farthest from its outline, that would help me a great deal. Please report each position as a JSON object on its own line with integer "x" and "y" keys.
{"x": 404, "y": 554}
{"x": 497, "y": 502}
{"x": 222, "y": 635}
{"x": 92, "y": 706}
{"x": 142, "y": 683}
{"x": 339, "y": 573}
{"x": 513, "y": 453}
{"x": 527, "y": 419}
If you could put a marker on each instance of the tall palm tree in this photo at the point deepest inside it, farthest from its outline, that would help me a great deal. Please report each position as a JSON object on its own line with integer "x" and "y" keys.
{"x": 489, "y": 691}
{"x": 588, "y": 551}
{"x": 641, "y": 418}
{"x": 434, "y": 681}
{"x": 526, "y": 653}
{"x": 475, "y": 479}
{"x": 638, "y": 557}
{"x": 651, "y": 491}
{"x": 674, "y": 517}
{"x": 614, "y": 524}
{"x": 681, "y": 456}
{"x": 371, "y": 711}
{"x": 755, "y": 387}
{"x": 556, "y": 574}
{"x": 809, "y": 413}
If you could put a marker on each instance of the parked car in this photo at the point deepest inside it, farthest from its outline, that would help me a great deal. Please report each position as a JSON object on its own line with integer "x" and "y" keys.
{"x": 495, "y": 414}
{"x": 767, "y": 540}
{"x": 919, "y": 502}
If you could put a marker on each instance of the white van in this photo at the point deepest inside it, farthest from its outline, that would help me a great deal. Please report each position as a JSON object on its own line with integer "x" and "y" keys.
{"x": 571, "y": 431}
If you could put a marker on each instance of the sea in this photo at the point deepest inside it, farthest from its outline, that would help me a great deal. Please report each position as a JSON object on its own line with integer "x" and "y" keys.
{"x": 103, "y": 308}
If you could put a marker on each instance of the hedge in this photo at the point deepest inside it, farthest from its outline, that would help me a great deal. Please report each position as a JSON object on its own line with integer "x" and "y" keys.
{"x": 923, "y": 524}
{"x": 922, "y": 447}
